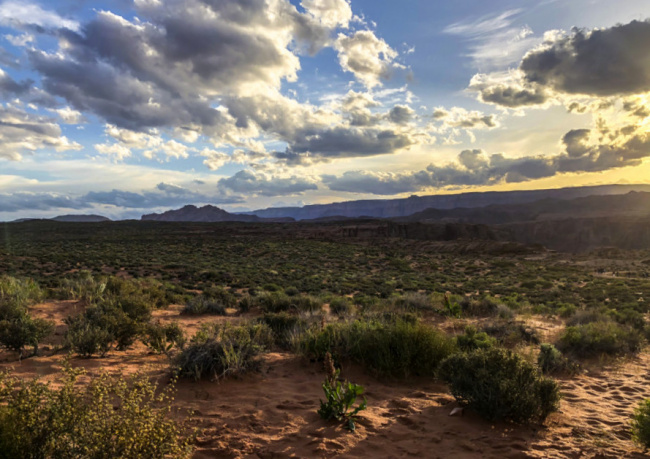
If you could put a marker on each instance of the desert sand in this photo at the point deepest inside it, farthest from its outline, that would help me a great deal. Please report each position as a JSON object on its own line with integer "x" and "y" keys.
{"x": 272, "y": 413}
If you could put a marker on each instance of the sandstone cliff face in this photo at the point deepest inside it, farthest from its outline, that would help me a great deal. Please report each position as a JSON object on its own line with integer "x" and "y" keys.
{"x": 391, "y": 208}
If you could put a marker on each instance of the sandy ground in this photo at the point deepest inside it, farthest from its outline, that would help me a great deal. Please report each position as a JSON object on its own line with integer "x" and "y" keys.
{"x": 272, "y": 413}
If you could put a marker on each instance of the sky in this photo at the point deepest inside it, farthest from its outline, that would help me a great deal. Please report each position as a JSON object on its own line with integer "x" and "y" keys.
{"x": 125, "y": 107}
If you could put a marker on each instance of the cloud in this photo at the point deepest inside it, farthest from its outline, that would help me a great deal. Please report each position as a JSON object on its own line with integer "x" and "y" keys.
{"x": 458, "y": 117}
{"x": 10, "y": 88}
{"x": 210, "y": 68}
{"x": 508, "y": 90}
{"x": 346, "y": 142}
{"x": 14, "y": 202}
{"x": 261, "y": 184}
{"x": 116, "y": 151}
{"x": 27, "y": 14}
{"x": 21, "y": 40}
{"x": 331, "y": 13}
{"x": 215, "y": 159}
{"x": 23, "y": 132}
{"x": 165, "y": 195}
{"x": 583, "y": 151}
{"x": 401, "y": 114}
{"x": 316, "y": 134}
{"x": 494, "y": 41}
{"x": 68, "y": 115}
{"x": 368, "y": 58}
{"x": 598, "y": 63}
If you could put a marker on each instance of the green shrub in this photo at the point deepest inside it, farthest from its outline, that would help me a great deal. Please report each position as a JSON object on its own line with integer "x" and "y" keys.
{"x": 340, "y": 306}
{"x": 224, "y": 350}
{"x": 16, "y": 334}
{"x": 306, "y": 303}
{"x": 586, "y": 317}
{"x": 499, "y": 384}
{"x": 340, "y": 398}
{"x": 292, "y": 291}
{"x": 87, "y": 339}
{"x": 83, "y": 286}
{"x": 18, "y": 292}
{"x": 602, "y": 337}
{"x": 246, "y": 303}
{"x": 274, "y": 302}
{"x": 472, "y": 339}
{"x": 509, "y": 333}
{"x": 481, "y": 307}
{"x": 393, "y": 348}
{"x": 109, "y": 417}
{"x": 413, "y": 302}
{"x": 551, "y": 360}
{"x": 272, "y": 288}
{"x": 17, "y": 328}
{"x": 162, "y": 339}
{"x": 284, "y": 326}
{"x": 221, "y": 295}
{"x": 451, "y": 306}
{"x": 201, "y": 304}
{"x": 641, "y": 424}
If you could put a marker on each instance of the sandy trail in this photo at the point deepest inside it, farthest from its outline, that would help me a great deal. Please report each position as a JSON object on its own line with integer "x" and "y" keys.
{"x": 272, "y": 413}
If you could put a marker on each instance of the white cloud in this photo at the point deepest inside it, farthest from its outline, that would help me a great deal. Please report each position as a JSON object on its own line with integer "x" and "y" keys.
{"x": 23, "y": 13}
{"x": 369, "y": 58}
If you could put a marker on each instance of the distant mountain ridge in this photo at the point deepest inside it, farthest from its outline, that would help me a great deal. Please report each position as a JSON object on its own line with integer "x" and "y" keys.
{"x": 206, "y": 214}
{"x": 632, "y": 204}
{"x": 70, "y": 219}
{"x": 392, "y": 208}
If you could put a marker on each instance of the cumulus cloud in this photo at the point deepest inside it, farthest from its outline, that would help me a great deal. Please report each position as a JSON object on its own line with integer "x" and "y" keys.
{"x": 115, "y": 151}
{"x": 401, "y": 114}
{"x": 68, "y": 115}
{"x": 316, "y": 134}
{"x": 367, "y": 57}
{"x": 508, "y": 90}
{"x": 331, "y": 13}
{"x": 582, "y": 151}
{"x": 210, "y": 68}
{"x": 346, "y": 142}
{"x": 458, "y": 117}
{"x": 259, "y": 183}
{"x": 598, "y": 63}
{"x": 215, "y": 159}
{"x": 24, "y": 132}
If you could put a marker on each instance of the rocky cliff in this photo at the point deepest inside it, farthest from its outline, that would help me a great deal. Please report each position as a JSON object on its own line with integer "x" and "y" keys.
{"x": 391, "y": 208}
